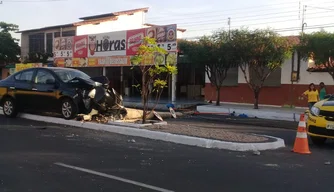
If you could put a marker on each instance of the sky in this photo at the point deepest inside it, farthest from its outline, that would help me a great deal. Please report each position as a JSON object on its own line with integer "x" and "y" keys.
{"x": 197, "y": 16}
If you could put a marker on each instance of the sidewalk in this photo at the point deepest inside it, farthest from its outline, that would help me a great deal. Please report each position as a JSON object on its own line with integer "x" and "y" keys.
{"x": 265, "y": 112}
{"x": 161, "y": 106}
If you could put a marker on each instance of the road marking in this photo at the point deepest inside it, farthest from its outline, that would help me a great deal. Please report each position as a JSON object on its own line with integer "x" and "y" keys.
{"x": 113, "y": 177}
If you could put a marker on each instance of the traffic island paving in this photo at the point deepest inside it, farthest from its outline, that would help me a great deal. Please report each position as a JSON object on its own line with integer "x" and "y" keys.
{"x": 218, "y": 139}
{"x": 217, "y": 134}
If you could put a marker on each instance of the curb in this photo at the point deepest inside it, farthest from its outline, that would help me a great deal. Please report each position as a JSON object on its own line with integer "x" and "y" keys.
{"x": 155, "y": 135}
{"x": 124, "y": 124}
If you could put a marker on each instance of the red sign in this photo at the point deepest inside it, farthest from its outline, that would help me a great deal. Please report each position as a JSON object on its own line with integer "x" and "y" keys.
{"x": 80, "y": 47}
{"x": 133, "y": 40}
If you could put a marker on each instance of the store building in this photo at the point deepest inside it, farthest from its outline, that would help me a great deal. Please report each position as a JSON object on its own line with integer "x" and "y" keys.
{"x": 122, "y": 78}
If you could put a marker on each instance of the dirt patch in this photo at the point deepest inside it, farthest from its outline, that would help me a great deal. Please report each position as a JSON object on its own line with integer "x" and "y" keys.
{"x": 218, "y": 134}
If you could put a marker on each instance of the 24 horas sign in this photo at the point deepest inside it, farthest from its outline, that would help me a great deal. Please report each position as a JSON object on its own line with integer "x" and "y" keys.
{"x": 111, "y": 49}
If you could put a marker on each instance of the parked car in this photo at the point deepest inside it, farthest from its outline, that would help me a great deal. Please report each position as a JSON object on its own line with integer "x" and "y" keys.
{"x": 54, "y": 89}
{"x": 320, "y": 120}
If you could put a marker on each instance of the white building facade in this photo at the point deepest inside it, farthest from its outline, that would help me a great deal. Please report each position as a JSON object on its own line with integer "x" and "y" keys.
{"x": 278, "y": 90}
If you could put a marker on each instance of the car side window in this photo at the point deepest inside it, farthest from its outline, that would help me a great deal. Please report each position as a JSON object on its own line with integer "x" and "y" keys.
{"x": 24, "y": 76}
{"x": 44, "y": 77}
{"x": 17, "y": 76}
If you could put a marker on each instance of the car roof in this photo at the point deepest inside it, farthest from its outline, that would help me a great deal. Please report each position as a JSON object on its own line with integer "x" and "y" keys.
{"x": 52, "y": 68}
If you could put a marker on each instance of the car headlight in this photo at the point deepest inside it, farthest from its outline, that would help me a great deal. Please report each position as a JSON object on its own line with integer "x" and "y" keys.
{"x": 92, "y": 93}
{"x": 315, "y": 111}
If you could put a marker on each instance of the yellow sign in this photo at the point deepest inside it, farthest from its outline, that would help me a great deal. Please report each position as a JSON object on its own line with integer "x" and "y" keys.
{"x": 22, "y": 66}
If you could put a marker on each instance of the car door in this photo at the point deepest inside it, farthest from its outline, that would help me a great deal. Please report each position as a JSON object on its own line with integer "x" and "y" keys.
{"x": 45, "y": 92}
{"x": 22, "y": 90}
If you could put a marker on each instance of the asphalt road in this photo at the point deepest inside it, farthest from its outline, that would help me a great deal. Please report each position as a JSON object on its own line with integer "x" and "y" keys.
{"x": 43, "y": 157}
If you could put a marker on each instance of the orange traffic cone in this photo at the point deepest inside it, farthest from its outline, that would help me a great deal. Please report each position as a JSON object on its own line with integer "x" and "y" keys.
{"x": 301, "y": 142}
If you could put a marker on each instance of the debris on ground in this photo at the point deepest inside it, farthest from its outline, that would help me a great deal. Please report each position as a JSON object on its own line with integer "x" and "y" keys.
{"x": 70, "y": 136}
{"x": 328, "y": 163}
{"x": 271, "y": 165}
{"x": 131, "y": 141}
{"x": 256, "y": 153}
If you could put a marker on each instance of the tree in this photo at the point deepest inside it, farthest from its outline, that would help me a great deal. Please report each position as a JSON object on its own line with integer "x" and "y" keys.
{"x": 153, "y": 71}
{"x": 9, "y": 48}
{"x": 261, "y": 52}
{"x": 319, "y": 46}
{"x": 216, "y": 53}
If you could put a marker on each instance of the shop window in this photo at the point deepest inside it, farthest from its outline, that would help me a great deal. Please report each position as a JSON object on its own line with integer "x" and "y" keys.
{"x": 92, "y": 71}
{"x": 36, "y": 42}
{"x": 49, "y": 43}
{"x": 68, "y": 33}
{"x": 65, "y": 34}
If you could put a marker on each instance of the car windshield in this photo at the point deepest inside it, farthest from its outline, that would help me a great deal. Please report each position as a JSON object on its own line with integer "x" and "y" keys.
{"x": 67, "y": 75}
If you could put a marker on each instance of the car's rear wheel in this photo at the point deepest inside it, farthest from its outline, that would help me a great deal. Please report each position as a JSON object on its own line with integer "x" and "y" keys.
{"x": 318, "y": 140}
{"x": 68, "y": 109}
{"x": 9, "y": 107}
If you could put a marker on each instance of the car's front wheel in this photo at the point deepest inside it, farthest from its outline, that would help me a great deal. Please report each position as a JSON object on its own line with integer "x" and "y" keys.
{"x": 318, "y": 140}
{"x": 68, "y": 109}
{"x": 9, "y": 107}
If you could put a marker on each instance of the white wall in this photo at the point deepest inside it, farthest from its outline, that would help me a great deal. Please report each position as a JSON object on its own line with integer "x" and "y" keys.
{"x": 24, "y": 44}
{"x": 305, "y": 76}
{"x": 124, "y": 22}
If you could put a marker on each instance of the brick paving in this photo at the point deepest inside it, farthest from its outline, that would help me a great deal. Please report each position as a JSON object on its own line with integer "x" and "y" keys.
{"x": 201, "y": 130}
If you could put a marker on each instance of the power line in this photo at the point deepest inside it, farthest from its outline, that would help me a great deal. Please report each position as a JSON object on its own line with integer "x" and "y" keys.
{"x": 208, "y": 14}
{"x": 247, "y": 18}
{"x": 322, "y": 8}
{"x": 189, "y": 24}
{"x": 249, "y": 24}
{"x": 253, "y": 24}
{"x": 241, "y": 9}
{"x": 205, "y": 22}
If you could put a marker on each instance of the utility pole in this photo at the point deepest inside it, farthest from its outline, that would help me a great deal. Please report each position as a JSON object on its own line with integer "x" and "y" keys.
{"x": 229, "y": 27}
{"x": 303, "y": 20}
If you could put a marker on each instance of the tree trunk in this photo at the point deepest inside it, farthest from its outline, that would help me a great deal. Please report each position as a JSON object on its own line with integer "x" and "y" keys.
{"x": 218, "y": 96}
{"x": 144, "y": 97}
{"x": 256, "y": 95}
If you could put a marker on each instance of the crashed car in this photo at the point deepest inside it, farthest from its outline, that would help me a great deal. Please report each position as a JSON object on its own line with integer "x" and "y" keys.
{"x": 63, "y": 90}
{"x": 320, "y": 120}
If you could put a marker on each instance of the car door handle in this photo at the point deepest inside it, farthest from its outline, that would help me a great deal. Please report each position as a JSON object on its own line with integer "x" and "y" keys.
{"x": 34, "y": 89}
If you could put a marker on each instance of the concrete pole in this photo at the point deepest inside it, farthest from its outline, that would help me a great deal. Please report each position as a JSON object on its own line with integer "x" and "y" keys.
{"x": 121, "y": 78}
{"x": 45, "y": 42}
{"x": 104, "y": 71}
{"x": 174, "y": 80}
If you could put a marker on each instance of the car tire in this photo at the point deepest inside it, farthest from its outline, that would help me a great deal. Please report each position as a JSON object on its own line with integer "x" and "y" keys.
{"x": 318, "y": 140}
{"x": 9, "y": 107}
{"x": 68, "y": 109}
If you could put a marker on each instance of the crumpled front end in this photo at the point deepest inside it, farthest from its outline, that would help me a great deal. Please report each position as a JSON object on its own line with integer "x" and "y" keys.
{"x": 99, "y": 100}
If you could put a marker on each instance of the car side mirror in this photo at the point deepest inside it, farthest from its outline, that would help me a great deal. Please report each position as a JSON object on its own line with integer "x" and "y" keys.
{"x": 327, "y": 96}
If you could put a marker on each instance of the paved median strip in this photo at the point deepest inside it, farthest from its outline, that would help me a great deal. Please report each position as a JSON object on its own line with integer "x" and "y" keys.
{"x": 275, "y": 142}
{"x": 113, "y": 177}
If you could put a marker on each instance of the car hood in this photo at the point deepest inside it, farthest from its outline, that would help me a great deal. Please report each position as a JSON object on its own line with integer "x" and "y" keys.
{"x": 326, "y": 105}
{"x": 88, "y": 83}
